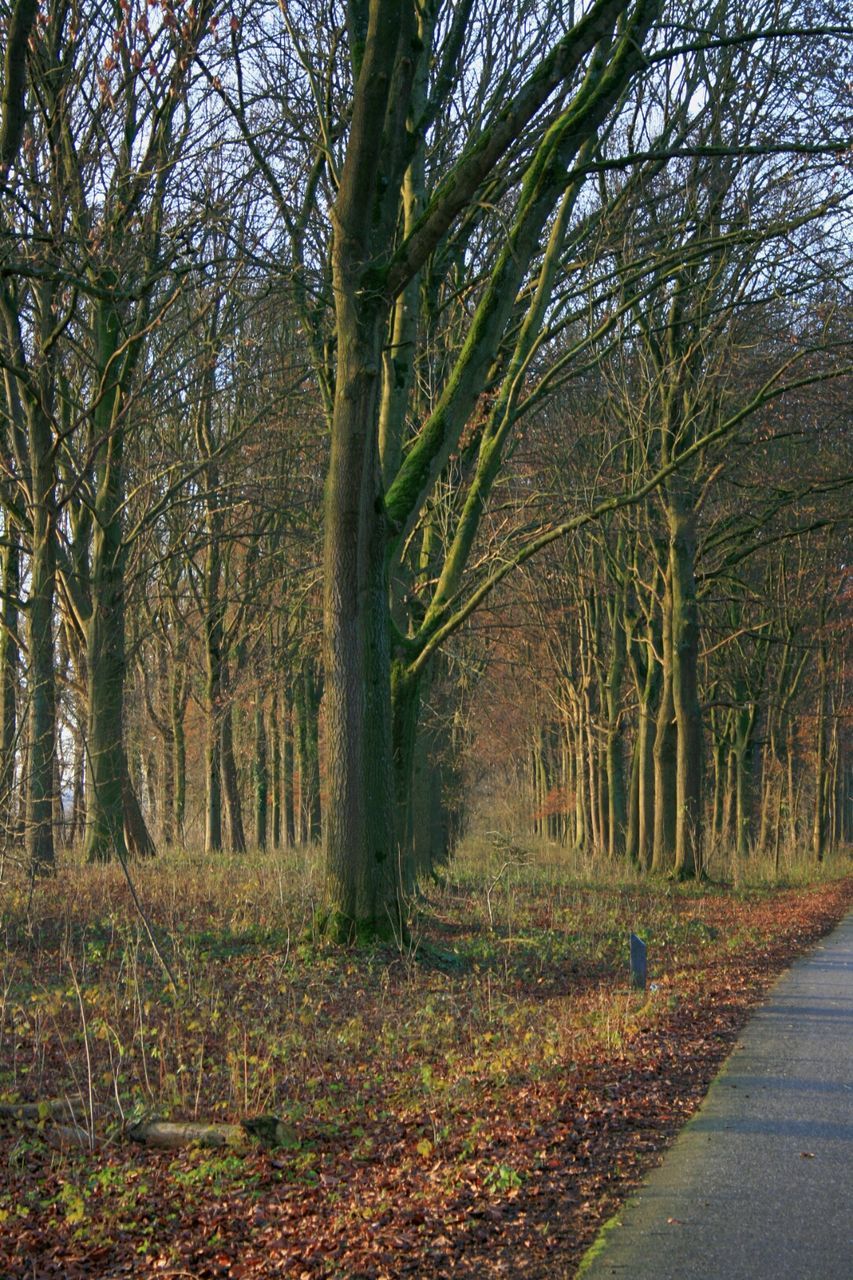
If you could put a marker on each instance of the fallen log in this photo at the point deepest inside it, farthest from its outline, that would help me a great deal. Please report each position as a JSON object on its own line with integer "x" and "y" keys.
{"x": 63, "y": 1120}
{"x": 51, "y": 1109}
{"x": 61, "y": 1136}
{"x": 170, "y": 1135}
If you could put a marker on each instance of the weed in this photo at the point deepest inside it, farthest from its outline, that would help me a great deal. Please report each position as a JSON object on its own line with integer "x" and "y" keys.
{"x": 502, "y": 1179}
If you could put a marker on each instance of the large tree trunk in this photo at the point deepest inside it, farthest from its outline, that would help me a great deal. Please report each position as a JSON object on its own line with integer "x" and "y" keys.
{"x": 361, "y": 521}
{"x": 360, "y": 846}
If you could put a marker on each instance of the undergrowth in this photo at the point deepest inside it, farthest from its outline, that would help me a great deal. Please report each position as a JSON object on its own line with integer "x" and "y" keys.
{"x": 512, "y": 982}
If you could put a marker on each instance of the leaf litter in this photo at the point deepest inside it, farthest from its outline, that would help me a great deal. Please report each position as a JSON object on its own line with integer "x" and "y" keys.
{"x": 475, "y": 1108}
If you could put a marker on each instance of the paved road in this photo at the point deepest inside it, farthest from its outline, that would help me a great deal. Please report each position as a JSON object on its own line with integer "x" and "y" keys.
{"x": 759, "y": 1185}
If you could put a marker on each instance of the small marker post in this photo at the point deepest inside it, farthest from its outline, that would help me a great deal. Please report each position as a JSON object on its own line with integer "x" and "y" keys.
{"x": 638, "y": 963}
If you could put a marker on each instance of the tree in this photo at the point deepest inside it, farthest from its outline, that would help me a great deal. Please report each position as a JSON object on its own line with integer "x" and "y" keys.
{"x": 391, "y": 211}
{"x": 89, "y": 260}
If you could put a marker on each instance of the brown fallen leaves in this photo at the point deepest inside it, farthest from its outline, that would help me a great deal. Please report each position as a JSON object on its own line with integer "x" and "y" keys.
{"x": 487, "y": 1170}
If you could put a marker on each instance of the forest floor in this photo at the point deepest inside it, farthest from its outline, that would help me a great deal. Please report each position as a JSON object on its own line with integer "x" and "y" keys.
{"x": 473, "y": 1103}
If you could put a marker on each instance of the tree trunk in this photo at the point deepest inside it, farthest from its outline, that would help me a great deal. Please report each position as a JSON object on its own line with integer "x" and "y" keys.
{"x": 9, "y": 677}
{"x": 78, "y": 791}
{"x": 601, "y": 797}
{"x": 405, "y": 705}
{"x": 307, "y": 711}
{"x": 363, "y": 873}
{"x": 213, "y": 711}
{"x": 137, "y": 838}
{"x": 42, "y": 718}
{"x": 166, "y": 799}
{"x": 717, "y": 816}
{"x": 819, "y": 823}
{"x": 261, "y": 778}
{"x": 275, "y": 770}
{"x": 632, "y": 828}
{"x": 287, "y": 770}
{"x": 685, "y": 692}
{"x": 179, "y": 752}
{"x": 767, "y": 790}
{"x": 230, "y": 782}
{"x": 582, "y": 837}
{"x": 105, "y": 665}
{"x": 645, "y": 786}
{"x": 107, "y": 799}
{"x": 615, "y": 768}
{"x": 664, "y": 753}
{"x": 744, "y": 762}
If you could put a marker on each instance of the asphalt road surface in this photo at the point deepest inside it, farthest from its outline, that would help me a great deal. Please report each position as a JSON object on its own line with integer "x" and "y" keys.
{"x": 759, "y": 1184}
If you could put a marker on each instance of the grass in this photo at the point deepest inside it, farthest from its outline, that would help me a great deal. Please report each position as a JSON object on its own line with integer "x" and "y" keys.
{"x": 446, "y": 1058}
{"x": 266, "y": 1012}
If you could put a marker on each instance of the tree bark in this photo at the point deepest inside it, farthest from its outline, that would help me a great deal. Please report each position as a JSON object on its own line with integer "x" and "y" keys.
{"x": 615, "y": 773}
{"x": 231, "y": 782}
{"x": 819, "y": 821}
{"x": 287, "y": 770}
{"x": 261, "y": 778}
{"x": 9, "y": 641}
{"x": 275, "y": 770}
{"x": 664, "y": 752}
{"x": 685, "y": 690}
{"x": 307, "y": 699}
{"x": 42, "y": 718}
{"x": 105, "y": 666}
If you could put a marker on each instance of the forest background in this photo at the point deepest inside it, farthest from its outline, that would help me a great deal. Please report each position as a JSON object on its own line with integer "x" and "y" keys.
{"x": 424, "y": 445}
